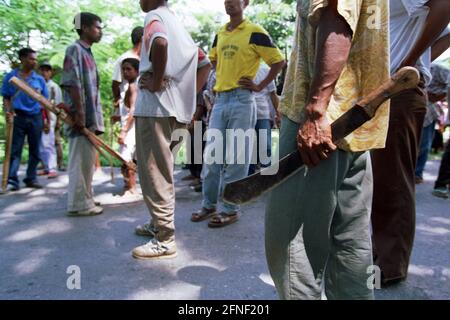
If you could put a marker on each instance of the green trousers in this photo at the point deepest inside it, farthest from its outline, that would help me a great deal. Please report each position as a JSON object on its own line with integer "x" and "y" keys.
{"x": 317, "y": 227}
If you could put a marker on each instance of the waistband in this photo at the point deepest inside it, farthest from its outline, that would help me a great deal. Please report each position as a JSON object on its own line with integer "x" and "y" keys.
{"x": 23, "y": 113}
{"x": 233, "y": 91}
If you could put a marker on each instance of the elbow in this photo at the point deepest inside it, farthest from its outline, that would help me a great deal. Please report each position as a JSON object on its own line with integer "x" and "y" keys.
{"x": 279, "y": 66}
{"x": 207, "y": 67}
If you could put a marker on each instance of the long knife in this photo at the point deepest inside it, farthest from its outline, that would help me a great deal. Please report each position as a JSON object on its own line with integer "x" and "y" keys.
{"x": 253, "y": 186}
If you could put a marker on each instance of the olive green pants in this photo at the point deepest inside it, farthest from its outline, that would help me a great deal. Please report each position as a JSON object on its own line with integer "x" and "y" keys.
{"x": 317, "y": 227}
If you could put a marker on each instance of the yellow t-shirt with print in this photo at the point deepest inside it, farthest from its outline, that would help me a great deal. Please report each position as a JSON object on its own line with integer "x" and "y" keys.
{"x": 238, "y": 54}
{"x": 366, "y": 69}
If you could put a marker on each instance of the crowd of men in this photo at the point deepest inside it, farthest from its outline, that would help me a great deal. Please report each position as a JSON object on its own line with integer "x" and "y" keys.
{"x": 354, "y": 205}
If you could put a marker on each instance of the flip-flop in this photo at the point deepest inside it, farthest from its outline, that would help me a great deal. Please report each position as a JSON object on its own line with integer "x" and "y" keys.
{"x": 223, "y": 219}
{"x": 203, "y": 214}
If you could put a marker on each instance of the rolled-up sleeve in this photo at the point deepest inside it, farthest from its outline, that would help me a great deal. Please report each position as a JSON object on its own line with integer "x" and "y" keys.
{"x": 350, "y": 10}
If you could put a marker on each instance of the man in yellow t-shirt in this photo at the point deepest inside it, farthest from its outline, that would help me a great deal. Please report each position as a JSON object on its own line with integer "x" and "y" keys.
{"x": 317, "y": 222}
{"x": 237, "y": 51}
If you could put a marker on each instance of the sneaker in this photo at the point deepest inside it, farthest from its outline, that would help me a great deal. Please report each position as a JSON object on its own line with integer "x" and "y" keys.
{"x": 34, "y": 185}
{"x": 441, "y": 193}
{"x": 86, "y": 213}
{"x": 146, "y": 230}
{"x": 52, "y": 175}
{"x": 155, "y": 250}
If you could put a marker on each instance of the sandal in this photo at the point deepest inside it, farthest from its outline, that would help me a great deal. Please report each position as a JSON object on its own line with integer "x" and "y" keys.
{"x": 203, "y": 214}
{"x": 223, "y": 219}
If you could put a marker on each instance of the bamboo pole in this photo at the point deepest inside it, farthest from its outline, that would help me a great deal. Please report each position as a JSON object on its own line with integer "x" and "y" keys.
{"x": 61, "y": 113}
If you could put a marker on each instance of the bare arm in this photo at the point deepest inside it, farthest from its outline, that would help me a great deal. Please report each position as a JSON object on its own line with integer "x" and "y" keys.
{"x": 79, "y": 116}
{"x": 436, "y": 21}
{"x": 133, "y": 97}
{"x": 275, "y": 69}
{"x": 275, "y": 100}
{"x": 155, "y": 81}
{"x": 276, "y": 103}
{"x": 333, "y": 47}
{"x": 202, "y": 76}
{"x": 116, "y": 93}
{"x": 440, "y": 46}
{"x": 158, "y": 57}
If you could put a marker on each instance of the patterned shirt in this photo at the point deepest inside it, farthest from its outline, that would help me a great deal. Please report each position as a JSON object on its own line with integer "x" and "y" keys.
{"x": 80, "y": 71}
{"x": 439, "y": 85}
{"x": 366, "y": 69}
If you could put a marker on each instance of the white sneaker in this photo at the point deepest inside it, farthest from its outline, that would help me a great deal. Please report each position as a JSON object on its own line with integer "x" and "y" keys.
{"x": 155, "y": 250}
{"x": 86, "y": 213}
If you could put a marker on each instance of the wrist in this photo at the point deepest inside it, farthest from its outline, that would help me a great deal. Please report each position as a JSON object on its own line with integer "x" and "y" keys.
{"x": 316, "y": 110}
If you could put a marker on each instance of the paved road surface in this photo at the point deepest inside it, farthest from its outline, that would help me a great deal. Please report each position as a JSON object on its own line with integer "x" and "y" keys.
{"x": 38, "y": 243}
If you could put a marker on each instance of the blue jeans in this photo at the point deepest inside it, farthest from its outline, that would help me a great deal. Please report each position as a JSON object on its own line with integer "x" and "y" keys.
{"x": 263, "y": 127}
{"x": 30, "y": 126}
{"x": 425, "y": 147}
{"x": 234, "y": 109}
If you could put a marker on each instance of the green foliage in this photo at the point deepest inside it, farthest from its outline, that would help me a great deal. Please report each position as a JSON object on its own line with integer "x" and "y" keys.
{"x": 47, "y": 26}
{"x": 278, "y": 18}
{"x": 203, "y": 33}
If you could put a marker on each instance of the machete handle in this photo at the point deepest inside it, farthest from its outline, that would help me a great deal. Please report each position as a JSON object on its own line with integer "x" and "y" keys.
{"x": 404, "y": 79}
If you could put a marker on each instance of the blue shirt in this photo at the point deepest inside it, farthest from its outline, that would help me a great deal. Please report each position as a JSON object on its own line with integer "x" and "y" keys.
{"x": 21, "y": 101}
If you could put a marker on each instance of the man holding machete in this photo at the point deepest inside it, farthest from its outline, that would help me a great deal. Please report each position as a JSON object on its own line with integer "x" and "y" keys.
{"x": 317, "y": 221}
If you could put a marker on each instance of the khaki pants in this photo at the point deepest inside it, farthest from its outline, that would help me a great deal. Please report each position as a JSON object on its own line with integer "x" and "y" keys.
{"x": 81, "y": 172}
{"x": 317, "y": 227}
{"x": 155, "y": 159}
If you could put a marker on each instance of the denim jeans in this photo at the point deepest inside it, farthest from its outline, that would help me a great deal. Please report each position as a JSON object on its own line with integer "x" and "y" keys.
{"x": 263, "y": 128}
{"x": 234, "y": 109}
{"x": 30, "y": 126}
{"x": 425, "y": 147}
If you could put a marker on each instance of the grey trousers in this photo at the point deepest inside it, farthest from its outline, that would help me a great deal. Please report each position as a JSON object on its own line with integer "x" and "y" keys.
{"x": 81, "y": 172}
{"x": 317, "y": 227}
{"x": 155, "y": 159}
